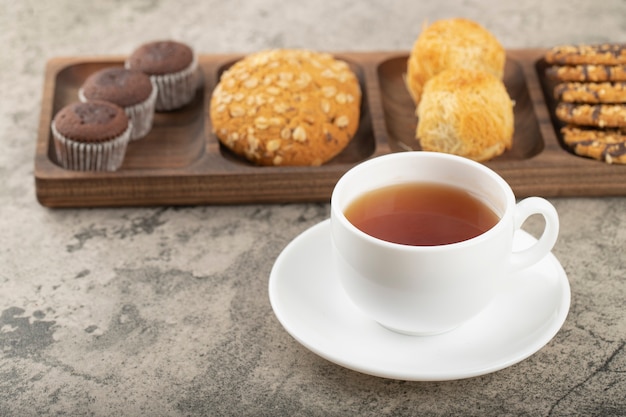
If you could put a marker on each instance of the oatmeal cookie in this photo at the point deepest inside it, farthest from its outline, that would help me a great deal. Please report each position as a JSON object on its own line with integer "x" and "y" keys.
{"x": 286, "y": 107}
{"x": 592, "y": 93}
{"x": 599, "y": 115}
{"x": 601, "y": 54}
{"x": 604, "y": 145}
{"x": 587, "y": 73}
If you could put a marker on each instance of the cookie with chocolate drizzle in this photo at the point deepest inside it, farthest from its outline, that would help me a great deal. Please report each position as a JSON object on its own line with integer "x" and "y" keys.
{"x": 598, "y": 115}
{"x": 586, "y": 73}
{"x": 600, "y": 54}
{"x": 608, "y": 145}
{"x": 592, "y": 93}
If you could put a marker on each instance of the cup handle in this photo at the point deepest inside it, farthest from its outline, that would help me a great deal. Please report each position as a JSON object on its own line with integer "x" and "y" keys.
{"x": 523, "y": 210}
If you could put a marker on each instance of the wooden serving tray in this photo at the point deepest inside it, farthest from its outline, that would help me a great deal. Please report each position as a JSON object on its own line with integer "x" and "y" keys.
{"x": 181, "y": 162}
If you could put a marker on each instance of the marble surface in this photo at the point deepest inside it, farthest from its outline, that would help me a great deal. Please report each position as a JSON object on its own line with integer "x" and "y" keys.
{"x": 164, "y": 311}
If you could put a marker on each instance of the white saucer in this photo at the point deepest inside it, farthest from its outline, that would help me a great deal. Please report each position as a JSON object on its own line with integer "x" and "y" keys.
{"x": 311, "y": 305}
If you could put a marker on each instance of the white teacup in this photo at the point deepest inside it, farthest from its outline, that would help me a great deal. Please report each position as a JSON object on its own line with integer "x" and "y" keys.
{"x": 425, "y": 290}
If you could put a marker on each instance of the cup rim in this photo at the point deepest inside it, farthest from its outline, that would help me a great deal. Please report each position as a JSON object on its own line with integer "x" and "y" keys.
{"x": 338, "y": 214}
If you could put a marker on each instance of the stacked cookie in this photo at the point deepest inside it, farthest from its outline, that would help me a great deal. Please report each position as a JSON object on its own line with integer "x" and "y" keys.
{"x": 591, "y": 95}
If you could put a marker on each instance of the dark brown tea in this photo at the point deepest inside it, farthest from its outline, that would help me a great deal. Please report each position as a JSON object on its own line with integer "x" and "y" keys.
{"x": 421, "y": 214}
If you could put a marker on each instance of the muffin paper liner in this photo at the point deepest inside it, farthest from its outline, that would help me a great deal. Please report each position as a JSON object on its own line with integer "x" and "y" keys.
{"x": 99, "y": 156}
{"x": 177, "y": 89}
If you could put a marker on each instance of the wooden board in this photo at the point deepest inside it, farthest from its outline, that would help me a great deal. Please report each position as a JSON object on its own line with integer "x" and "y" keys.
{"x": 181, "y": 161}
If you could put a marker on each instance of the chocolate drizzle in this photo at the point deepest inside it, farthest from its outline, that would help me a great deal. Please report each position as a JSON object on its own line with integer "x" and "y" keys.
{"x": 616, "y": 150}
{"x": 613, "y": 48}
{"x": 595, "y": 114}
{"x": 559, "y": 90}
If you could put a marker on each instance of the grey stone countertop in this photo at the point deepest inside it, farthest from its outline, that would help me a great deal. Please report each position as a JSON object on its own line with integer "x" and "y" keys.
{"x": 164, "y": 311}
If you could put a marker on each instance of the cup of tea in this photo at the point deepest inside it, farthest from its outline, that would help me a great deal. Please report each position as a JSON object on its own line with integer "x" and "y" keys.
{"x": 423, "y": 240}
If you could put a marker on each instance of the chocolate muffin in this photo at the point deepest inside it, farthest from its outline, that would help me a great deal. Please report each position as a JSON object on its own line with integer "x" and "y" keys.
{"x": 91, "y": 136}
{"x": 173, "y": 66}
{"x": 130, "y": 89}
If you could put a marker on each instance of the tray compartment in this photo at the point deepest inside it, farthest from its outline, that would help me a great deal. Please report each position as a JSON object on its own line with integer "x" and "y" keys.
{"x": 362, "y": 145}
{"x": 401, "y": 121}
{"x": 176, "y": 139}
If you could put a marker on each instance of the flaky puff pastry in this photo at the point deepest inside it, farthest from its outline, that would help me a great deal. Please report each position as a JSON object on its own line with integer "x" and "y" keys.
{"x": 452, "y": 43}
{"x": 467, "y": 113}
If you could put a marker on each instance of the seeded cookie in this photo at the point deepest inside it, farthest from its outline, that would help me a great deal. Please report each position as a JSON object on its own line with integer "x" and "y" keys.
{"x": 602, "y": 54}
{"x": 592, "y": 93}
{"x": 604, "y": 145}
{"x": 599, "y": 115}
{"x": 588, "y": 73}
{"x": 286, "y": 107}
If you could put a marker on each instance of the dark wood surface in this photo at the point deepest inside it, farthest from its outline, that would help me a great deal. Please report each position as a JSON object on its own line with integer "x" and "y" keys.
{"x": 181, "y": 161}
